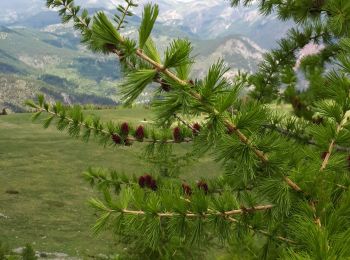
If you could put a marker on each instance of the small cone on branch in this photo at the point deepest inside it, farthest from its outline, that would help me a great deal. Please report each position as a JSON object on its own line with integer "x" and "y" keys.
{"x": 177, "y": 135}
{"x": 153, "y": 185}
{"x": 110, "y": 47}
{"x": 140, "y": 133}
{"x": 147, "y": 181}
{"x": 202, "y": 185}
{"x": 142, "y": 181}
{"x": 165, "y": 87}
{"x": 124, "y": 129}
{"x": 116, "y": 139}
{"x": 196, "y": 128}
{"x": 186, "y": 189}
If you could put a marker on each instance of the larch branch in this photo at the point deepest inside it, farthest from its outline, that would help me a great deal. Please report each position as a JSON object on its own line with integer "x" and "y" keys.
{"x": 129, "y": 138}
{"x": 197, "y": 215}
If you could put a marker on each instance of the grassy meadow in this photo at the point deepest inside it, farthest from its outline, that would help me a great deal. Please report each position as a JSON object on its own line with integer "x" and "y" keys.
{"x": 43, "y": 197}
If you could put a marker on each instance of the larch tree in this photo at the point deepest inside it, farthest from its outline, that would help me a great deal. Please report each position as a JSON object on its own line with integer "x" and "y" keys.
{"x": 283, "y": 188}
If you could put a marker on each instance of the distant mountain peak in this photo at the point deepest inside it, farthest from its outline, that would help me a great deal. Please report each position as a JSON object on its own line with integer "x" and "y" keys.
{"x": 206, "y": 19}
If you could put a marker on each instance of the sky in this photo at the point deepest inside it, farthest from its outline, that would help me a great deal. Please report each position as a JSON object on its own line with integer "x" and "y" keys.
{"x": 11, "y": 10}
{"x": 24, "y": 4}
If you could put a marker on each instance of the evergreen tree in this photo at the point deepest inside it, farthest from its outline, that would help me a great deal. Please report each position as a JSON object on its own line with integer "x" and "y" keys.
{"x": 284, "y": 187}
{"x": 321, "y": 22}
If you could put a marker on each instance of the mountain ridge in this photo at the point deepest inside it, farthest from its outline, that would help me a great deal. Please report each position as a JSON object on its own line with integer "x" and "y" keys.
{"x": 54, "y": 56}
{"x": 204, "y": 19}
{"x": 40, "y": 48}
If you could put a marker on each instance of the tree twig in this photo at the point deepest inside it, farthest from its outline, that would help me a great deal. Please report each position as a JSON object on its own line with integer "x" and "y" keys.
{"x": 198, "y": 215}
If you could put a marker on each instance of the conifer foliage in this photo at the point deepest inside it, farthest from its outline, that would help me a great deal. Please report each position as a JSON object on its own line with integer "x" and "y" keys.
{"x": 284, "y": 186}
{"x": 321, "y": 22}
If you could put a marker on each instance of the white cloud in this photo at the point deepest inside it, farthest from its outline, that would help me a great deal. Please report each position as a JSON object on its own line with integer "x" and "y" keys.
{"x": 8, "y": 16}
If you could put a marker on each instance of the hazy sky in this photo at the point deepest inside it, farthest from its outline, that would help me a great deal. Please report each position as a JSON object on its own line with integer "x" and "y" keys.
{"x": 11, "y": 10}
{"x": 13, "y": 4}
{"x": 24, "y": 4}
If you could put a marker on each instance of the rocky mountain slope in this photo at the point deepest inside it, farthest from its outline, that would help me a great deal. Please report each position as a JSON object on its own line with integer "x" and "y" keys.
{"x": 16, "y": 89}
{"x": 29, "y": 58}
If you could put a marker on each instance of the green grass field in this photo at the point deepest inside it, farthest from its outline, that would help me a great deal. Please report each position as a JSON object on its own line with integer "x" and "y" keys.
{"x": 45, "y": 168}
